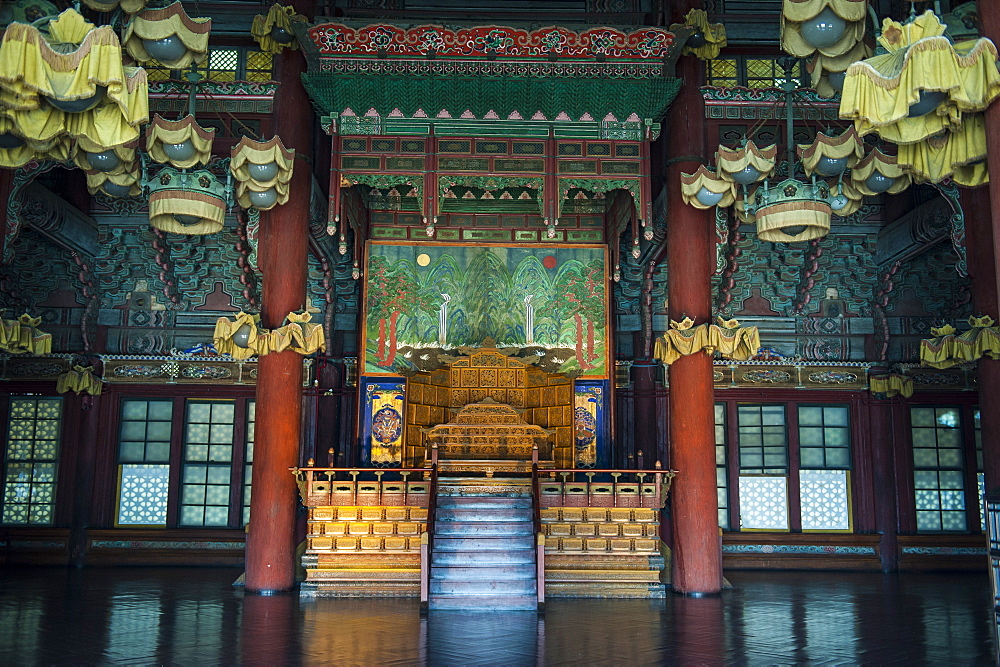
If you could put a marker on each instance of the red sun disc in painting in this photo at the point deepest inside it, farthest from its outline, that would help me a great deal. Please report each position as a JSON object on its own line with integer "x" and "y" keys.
{"x": 549, "y": 262}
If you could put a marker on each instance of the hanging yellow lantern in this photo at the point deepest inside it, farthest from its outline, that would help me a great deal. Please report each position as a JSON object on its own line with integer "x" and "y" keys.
{"x": 879, "y": 173}
{"x": 262, "y": 171}
{"x": 182, "y": 143}
{"x": 169, "y": 36}
{"x": 923, "y": 86}
{"x": 829, "y": 156}
{"x": 747, "y": 164}
{"x": 274, "y": 31}
{"x": 704, "y": 189}
{"x": 830, "y": 27}
{"x": 71, "y": 83}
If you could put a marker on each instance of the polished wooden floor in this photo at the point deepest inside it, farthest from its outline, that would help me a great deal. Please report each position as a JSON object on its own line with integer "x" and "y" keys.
{"x": 194, "y": 617}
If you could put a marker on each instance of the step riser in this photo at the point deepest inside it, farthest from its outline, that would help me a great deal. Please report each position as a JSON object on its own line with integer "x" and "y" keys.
{"x": 479, "y": 529}
{"x": 484, "y": 603}
{"x": 520, "y": 572}
{"x": 475, "y": 515}
{"x": 482, "y": 543}
{"x": 482, "y": 588}
{"x": 479, "y": 559}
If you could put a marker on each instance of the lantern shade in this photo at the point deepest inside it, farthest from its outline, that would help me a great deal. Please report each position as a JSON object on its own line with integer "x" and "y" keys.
{"x": 827, "y": 73}
{"x": 277, "y": 19}
{"x": 704, "y": 180}
{"x": 248, "y": 153}
{"x": 712, "y": 35}
{"x": 198, "y": 194}
{"x": 849, "y": 196}
{"x": 804, "y": 21}
{"x": 959, "y": 155}
{"x": 846, "y": 147}
{"x": 887, "y": 165}
{"x": 792, "y": 205}
{"x": 159, "y": 24}
{"x": 734, "y": 161}
{"x": 162, "y": 133}
{"x": 127, "y": 6}
{"x": 84, "y": 148}
{"x": 880, "y": 92}
{"x": 122, "y": 184}
{"x": 32, "y": 71}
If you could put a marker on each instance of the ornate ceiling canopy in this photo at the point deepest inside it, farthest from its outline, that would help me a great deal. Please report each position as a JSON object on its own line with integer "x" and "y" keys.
{"x": 433, "y": 73}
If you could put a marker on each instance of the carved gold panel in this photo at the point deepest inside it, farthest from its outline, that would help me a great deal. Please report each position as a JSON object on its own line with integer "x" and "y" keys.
{"x": 488, "y": 377}
{"x": 459, "y": 396}
{"x": 468, "y": 377}
{"x": 515, "y": 397}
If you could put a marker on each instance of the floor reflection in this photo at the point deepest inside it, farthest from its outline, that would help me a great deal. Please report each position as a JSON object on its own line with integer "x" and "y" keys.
{"x": 194, "y": 616}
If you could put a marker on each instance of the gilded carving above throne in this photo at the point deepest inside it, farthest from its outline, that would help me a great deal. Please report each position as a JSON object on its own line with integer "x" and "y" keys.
{"x": 488, "y": 377}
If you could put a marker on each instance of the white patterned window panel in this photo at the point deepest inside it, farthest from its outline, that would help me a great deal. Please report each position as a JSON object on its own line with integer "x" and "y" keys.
{"x": 825, "y": 500}
{"x": 208, "y": 456}
{"x": 144, "y": 458}
{"x": 763, "y": 503}
{"x": 142, "y": 499}
{"x": 248, "y": 467}
{"x": 30, "y": 455}
{"x": 721, "y": 479}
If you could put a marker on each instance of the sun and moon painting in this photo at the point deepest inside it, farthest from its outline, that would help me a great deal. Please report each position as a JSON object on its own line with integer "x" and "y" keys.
{"x": 422, "y": 298}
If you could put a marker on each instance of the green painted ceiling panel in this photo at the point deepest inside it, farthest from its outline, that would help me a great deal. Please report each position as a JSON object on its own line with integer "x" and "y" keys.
{"x": 648, "y": 98}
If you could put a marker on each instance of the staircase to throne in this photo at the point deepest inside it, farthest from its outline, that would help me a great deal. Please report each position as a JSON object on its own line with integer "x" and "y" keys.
{"x": 481, "y": 422}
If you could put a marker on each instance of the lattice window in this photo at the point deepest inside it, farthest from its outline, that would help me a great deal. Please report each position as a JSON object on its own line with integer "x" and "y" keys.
{"x": 233, "y": 63}
{"x": 248, "y": 465}
{"x": 30, "y": 457}
{"x": 752, "y": 72}
{"x": 938, "y": 478}
{"x": 825, "y": 500}
{"x": 144, "y": 458}
{"x": 763, "y": 439}
{"x": 259, "y": 66}
{"x": 824, "y": 437}
{"x": 824, "y": 461}
{"x": 980, "y": 475}
{"x": 721, "y": 480}
{"x": 763, "y": 502}
{"x": 208, "y": 456}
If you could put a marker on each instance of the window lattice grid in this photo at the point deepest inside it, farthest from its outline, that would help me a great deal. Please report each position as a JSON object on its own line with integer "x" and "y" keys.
{"x": 208, "y": 455}
{"x": 938, "y": 477}
{"x": 824, "y": 437}
{"x": 146, "y": 428}
{"x": 763, "y": 439}
{"x": 721, "y": 481}
{"x": 752, "y": 72}
{"x": 259, "y": 66}
{"x": 30, "y": 454}
{"x": 940, "y": 500}
{"x": 825, "y": 499}
{"x": 937, "y": 437}
{"x": 248, "y": 466}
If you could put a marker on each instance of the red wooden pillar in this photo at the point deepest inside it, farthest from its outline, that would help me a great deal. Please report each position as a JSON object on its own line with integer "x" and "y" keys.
{"x": 980, "y": 233}
{"x": 697, "y": 555}
{"x": 283, "y": 244}
{"x": 982, "y": 225}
